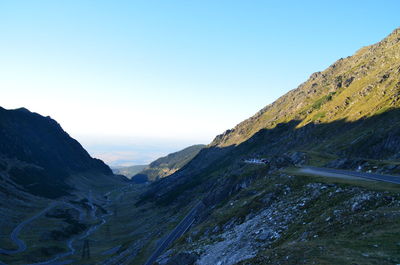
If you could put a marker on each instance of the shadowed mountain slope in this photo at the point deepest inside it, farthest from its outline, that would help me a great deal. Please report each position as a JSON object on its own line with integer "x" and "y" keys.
{"x": 39, "y": 155}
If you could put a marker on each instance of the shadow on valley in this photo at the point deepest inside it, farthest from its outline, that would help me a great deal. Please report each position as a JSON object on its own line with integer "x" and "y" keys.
{"x": 375, "y": 137}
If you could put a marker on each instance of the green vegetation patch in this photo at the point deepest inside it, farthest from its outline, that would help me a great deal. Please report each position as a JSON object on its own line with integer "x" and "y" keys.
{"x": 318, "y": 103}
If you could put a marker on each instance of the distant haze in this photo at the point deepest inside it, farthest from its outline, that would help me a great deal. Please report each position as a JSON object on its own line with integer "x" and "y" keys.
{"x": 127, "y": 151}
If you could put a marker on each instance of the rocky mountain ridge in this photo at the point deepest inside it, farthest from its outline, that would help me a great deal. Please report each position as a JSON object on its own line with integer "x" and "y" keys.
{"x": 356, "y": 87}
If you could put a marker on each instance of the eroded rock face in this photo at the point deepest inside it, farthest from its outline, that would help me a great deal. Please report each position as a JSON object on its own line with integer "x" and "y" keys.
{"x": 243, "y": 241}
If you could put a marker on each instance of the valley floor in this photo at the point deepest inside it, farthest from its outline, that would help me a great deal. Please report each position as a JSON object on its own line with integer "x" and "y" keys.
{"x": 273, "y": 218}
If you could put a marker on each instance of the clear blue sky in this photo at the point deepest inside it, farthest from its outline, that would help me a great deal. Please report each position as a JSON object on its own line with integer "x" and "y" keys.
{"x": 172, "y": 71}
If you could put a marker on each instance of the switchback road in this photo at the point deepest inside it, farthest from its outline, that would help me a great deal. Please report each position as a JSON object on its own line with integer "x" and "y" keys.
{"x": 14, "y": 234}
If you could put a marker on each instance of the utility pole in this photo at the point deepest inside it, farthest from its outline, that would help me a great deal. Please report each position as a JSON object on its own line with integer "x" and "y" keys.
{"x": 85, "y": 250}
{"x": 115, "y": 210}
{"x": 108, "y": 233}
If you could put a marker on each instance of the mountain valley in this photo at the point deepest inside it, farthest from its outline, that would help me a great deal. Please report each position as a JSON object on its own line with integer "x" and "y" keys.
{"x": 207, "y": 205}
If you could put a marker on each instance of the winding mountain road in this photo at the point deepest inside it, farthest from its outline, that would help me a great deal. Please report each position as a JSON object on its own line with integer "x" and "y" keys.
{"x": 14, "y": 234}
{"x": 332, "y": 172}
{"x": 329, "y": 172}
{"x": 92, "y": 229}
{"x": 21, "y": 246}
{"x": 71, "y": 248}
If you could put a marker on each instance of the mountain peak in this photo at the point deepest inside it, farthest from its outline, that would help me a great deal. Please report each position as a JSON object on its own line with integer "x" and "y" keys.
{"x": 22, "y": 109}
{"x": 392, "y": 39}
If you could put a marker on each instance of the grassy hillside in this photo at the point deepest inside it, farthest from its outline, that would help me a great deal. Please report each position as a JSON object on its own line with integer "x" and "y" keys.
{"x": 169, "y": 164}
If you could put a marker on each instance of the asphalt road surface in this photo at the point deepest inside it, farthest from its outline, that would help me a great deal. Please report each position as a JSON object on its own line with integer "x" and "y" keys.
{"x": 371, "y": 176}
{"x": 179, "y": 230}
